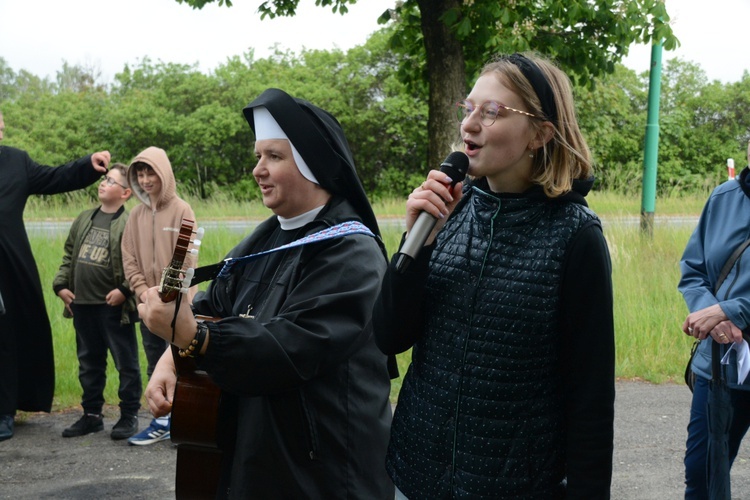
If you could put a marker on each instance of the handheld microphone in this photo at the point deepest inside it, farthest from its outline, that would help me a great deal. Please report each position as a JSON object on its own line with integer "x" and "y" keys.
{"x": 455, "y": 166}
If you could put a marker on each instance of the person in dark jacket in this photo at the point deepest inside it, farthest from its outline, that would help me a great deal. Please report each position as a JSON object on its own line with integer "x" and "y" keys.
{"x": 507, "y": 308}
{"x": 294, "y": 352}
{"x": 91, "y": 283}
{"x": 27, "y": 368}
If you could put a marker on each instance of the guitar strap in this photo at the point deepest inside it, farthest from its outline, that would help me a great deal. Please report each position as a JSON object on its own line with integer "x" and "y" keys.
{"x": 224, "y": 268}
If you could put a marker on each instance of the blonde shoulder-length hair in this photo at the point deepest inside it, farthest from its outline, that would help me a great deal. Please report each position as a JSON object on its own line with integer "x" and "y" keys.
{"x": 566, "y": 156}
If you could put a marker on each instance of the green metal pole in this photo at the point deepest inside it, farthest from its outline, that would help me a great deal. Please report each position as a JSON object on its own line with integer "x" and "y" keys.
{"x": 651, "y": 148}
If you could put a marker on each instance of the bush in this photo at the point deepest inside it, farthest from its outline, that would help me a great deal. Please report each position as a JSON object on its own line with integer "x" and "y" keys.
{"x": 394, "y": 183}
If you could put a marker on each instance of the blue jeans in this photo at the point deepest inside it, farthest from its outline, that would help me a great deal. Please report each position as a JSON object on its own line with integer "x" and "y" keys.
{"x": 98, "y": 328}
{"x": 696, "y": 482}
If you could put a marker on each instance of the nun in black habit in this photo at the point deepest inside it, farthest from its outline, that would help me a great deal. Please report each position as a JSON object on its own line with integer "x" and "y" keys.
{"x": 305, "y": 387}
{"x": 27, "y": 370}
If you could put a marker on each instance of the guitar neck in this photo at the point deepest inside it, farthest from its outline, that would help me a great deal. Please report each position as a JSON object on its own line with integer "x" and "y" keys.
{"x": 173, "y": 276}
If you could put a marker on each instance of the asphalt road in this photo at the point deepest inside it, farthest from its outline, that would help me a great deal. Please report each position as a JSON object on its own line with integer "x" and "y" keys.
{"x": 39, "y": 464}
{"x": 244, "y": 226}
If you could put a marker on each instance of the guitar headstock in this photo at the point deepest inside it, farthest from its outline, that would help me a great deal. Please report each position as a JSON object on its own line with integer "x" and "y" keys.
{"x": 175, "y": 279}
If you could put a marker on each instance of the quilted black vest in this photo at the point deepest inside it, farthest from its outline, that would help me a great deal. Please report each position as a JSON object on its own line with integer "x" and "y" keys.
{"x": 480, "y": 410}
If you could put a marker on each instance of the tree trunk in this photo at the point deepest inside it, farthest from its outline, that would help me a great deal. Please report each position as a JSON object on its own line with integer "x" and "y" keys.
{"x": 447, "y": 78}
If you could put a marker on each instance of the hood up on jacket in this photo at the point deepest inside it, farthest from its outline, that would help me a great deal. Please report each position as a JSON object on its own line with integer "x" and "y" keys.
{"x": 157, "y": 159}
{"x": 320, "y": 140}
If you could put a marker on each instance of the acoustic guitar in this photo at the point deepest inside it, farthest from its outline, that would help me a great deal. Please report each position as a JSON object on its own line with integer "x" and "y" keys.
{"x": 195, "y": 408}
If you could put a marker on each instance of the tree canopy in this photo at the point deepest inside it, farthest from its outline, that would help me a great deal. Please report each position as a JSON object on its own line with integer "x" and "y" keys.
{"x": 197, "y": 118}
{"x": 439, "y": 39}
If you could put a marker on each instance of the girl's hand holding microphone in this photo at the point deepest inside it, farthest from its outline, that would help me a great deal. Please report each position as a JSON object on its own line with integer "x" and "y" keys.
{"x": 429, "y": 205}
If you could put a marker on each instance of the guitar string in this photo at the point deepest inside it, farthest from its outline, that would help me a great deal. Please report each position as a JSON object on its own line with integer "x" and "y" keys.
{"x": 177, "y": 302}
{"x": 178, "y": 298}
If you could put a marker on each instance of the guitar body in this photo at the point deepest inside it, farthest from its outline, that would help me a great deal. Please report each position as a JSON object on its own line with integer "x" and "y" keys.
{"x": 195, "y": 405}
{"x": 195, "y": 411}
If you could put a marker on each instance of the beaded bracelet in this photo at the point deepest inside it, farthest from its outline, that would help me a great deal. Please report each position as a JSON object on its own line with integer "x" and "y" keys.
{"x": 194, "y": 348}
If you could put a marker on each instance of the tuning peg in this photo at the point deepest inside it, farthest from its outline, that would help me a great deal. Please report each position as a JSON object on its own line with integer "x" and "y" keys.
{"x": 198, "y": 237}
{"x": 189, "y": 273}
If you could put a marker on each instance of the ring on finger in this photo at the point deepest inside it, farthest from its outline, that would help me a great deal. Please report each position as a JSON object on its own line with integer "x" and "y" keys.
{"x": 690, "y": 329}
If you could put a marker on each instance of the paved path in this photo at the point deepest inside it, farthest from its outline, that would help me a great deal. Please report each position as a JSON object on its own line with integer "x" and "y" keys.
{"x": 650, "y": 432}
{"x": 38, "y": 463}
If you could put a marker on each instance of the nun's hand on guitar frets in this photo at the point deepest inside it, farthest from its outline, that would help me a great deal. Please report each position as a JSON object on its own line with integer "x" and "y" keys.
{"x": 158, "y": 315}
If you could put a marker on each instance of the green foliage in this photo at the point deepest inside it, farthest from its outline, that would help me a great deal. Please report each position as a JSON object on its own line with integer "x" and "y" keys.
{"x": 197, "y": 118}
{"x": 648, "y": 309}
{"x": 199, "y": 4}
{"x": 587, "y": 38}
{"x": 394, "y": 182}
{"x": 612, "y": 117}
{"x": 438, "y": 40}
{"x": 701, "y": 124}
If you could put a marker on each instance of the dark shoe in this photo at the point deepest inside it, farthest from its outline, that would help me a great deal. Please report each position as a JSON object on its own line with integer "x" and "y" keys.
{"x": 125, "y": 427}
{"x": 87, "y": 424}
{"x": 6, "y": 427}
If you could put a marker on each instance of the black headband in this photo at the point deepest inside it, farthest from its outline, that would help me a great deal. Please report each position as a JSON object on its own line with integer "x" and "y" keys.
{"x": 540, "y": 84}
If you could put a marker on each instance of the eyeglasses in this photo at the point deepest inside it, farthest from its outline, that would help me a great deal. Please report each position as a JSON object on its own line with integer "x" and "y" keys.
{"x": 111, "y": 182}
{"x": 488, "y": 111}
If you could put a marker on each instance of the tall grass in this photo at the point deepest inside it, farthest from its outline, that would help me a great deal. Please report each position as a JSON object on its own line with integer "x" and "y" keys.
{"x": 67, "y": 206}
{"x": 648, "y": 309}
{"x": 608, "y": 204}
{"x": 48, "y": 250}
